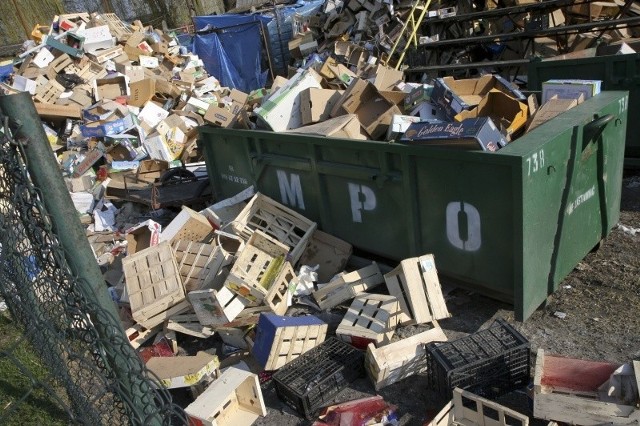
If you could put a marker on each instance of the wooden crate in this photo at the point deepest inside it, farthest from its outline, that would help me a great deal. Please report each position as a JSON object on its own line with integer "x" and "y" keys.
{"x": 234, "y": 399}
{"x": 277, "y": 298}
{"x": 281, "y": 339}
{"x": 566, "y": 390}
{"x": 92, "y": 71}
{"x": 188, "y": 225}
{"x": 57, "y": 65}
{"x": 47, "y": 91}
{"x": 119, "y": 29}
{"x": 327, "y": 251}
{"x": 258, "y": 268}
{"x": 199, "y": 263}
{"x": 468, "y": 409}
{"x": 216, "y": 307}
{"x": 278, "y": 221}
{"x": 398, "y": 360}
{"x": 187, "y": 323}
{"x": 348, "y": 286}
{"x": 184, "y": 371}
{"x": 415, "y": 283}
{"x": 153, "y": 285}
{"x": 371, "y": 318}
{"x": 137, "y": 334}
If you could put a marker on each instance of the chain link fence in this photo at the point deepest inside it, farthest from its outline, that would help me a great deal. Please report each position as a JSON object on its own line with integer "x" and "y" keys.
{"x": 63, "y": 357}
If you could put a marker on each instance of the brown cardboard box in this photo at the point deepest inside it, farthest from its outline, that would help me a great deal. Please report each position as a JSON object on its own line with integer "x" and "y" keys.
{"x": 316, "y": 104}
{"x": 394, "y": 97}
{"x": 223, "y": 116}
{"x": 506, "y": 112}
{"x": 136, "y": 46}
{"x": 552, "y": 108}
{"x": 296, "y": 43}
{"x": 111, "y": 88}
{"x": 141, "y": 92}
{"x": 384, "y": 77}
{"x": 373, "y": 110}
{"x": 344, "y": 127}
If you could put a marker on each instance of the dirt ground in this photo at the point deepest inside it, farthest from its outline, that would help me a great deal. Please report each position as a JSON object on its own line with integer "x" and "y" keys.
{"x": 601, "y": 300}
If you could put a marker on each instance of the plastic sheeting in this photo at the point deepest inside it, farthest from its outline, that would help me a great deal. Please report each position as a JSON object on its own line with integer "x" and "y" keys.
{"x": 231, "y": 48}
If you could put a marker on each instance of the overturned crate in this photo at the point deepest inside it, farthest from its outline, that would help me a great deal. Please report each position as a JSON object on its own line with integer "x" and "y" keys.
{"x": 235, "y": 398}
{"x": 347, "y": 286}
{"x": 280, "y": 339}
{"x": 371, "y": 318}
{"x": 199, "y": 263}
{"x": 188, "y": 225}
{"x": 398, "y": 360}
{"x": 261, "y": 272}
{"x": 415, "y": 283}
{"x": 278, "y": 221}
{"x": 489, "y": 362}
{"x": 570, "y": 391}
{"x": 184, "y": 371}
{"x": 153, "y": 285}
{"x": 215, "y": 308}
{"x": 312, "y": 380}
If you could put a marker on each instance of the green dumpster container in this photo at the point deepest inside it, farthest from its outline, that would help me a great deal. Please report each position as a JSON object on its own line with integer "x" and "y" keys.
{"x": 509, "y": 224}
{"x": 617, "y": 72}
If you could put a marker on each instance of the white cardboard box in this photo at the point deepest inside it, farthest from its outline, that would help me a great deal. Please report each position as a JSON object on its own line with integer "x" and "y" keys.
{"x": 282, "y": 110}
{"x": 570, "y": 89}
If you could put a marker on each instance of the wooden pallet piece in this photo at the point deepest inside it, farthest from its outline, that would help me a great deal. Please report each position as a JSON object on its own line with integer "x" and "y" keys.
{"x": 137, "y": 334}
{"x": 276, "y": 220}
{"x": 472, "y": 413}
{"x": 198, "y": 263}
{"x": 184, "y": 371}
{"x": 187, "y": 323}
{"x": 153, "y": 285}
{"x": 257, "y": 268}
{"x": 188, "y": 225}
{"x": 118, "y": 28}
{"x": 566, "y": 390}
{"x": 348, "y": 286}
{"x": 415, "y": 283}
{"x": 398, "y": 360}
{"x": 235, "y": 398}
{"x": 216, "y": 307}
{"x": 371, "y": 318}
{"x": 47, "y": 91}
{"x": 281, "y": 339}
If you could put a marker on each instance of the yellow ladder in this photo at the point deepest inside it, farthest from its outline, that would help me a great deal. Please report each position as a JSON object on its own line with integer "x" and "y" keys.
{"x": 412, "y": 39}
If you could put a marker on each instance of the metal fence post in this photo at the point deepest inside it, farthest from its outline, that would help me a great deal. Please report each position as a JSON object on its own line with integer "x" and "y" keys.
{"x": 44, "y": 172}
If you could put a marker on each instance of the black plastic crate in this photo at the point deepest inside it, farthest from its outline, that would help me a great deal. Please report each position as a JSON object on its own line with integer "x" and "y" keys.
{"x": 312, "y": 380}
{"x": 489, "y": 362}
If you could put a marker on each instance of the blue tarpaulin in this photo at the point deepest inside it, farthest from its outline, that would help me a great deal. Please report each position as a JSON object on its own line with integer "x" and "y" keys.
{"x": 231, "y": 48}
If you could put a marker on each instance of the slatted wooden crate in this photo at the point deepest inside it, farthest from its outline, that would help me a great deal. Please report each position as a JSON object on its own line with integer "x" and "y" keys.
{"x": 216, "y": 307}
{"x": 153, "y": 285}
{"x": 331, "y": 254}
{"x": 281, "y": 339}
{"x": 47, "y": 91}
{"x": 398, "y": 360}
{"x": 278, "y": 221}
{"x": 137, "y": 334}
{"x": 277, "y": 298}
{"x": 371, "y": 318}
{"x": 416, "y": 286}
{"x": 119, "y": 29}
{"x": 92, "y": 71}
{"x": 199, "y": 263}
{"x": 188, "y": 225}
{"x": 258, "y": 268}
{"x": 347, "y": 286}
{"x": 57, "y": 65}
{"x": 569, "y": 391}
{"x": 234, "y": 399}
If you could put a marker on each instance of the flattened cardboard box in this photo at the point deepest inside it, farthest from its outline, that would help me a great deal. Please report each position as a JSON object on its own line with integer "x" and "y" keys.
{"x": 316, "y": 104}
{"x": 470, "y": 134}
{"x": 343, "y": 127}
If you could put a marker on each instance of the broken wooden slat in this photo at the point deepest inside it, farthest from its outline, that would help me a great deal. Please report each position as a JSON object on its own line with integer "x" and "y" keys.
{"x": 137, "y": 334}
{"x": 415, "y": 283}
{"x": 371, "y": 318}
{"x": 348, "y": 286}
{"x": 189, "y": 324}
